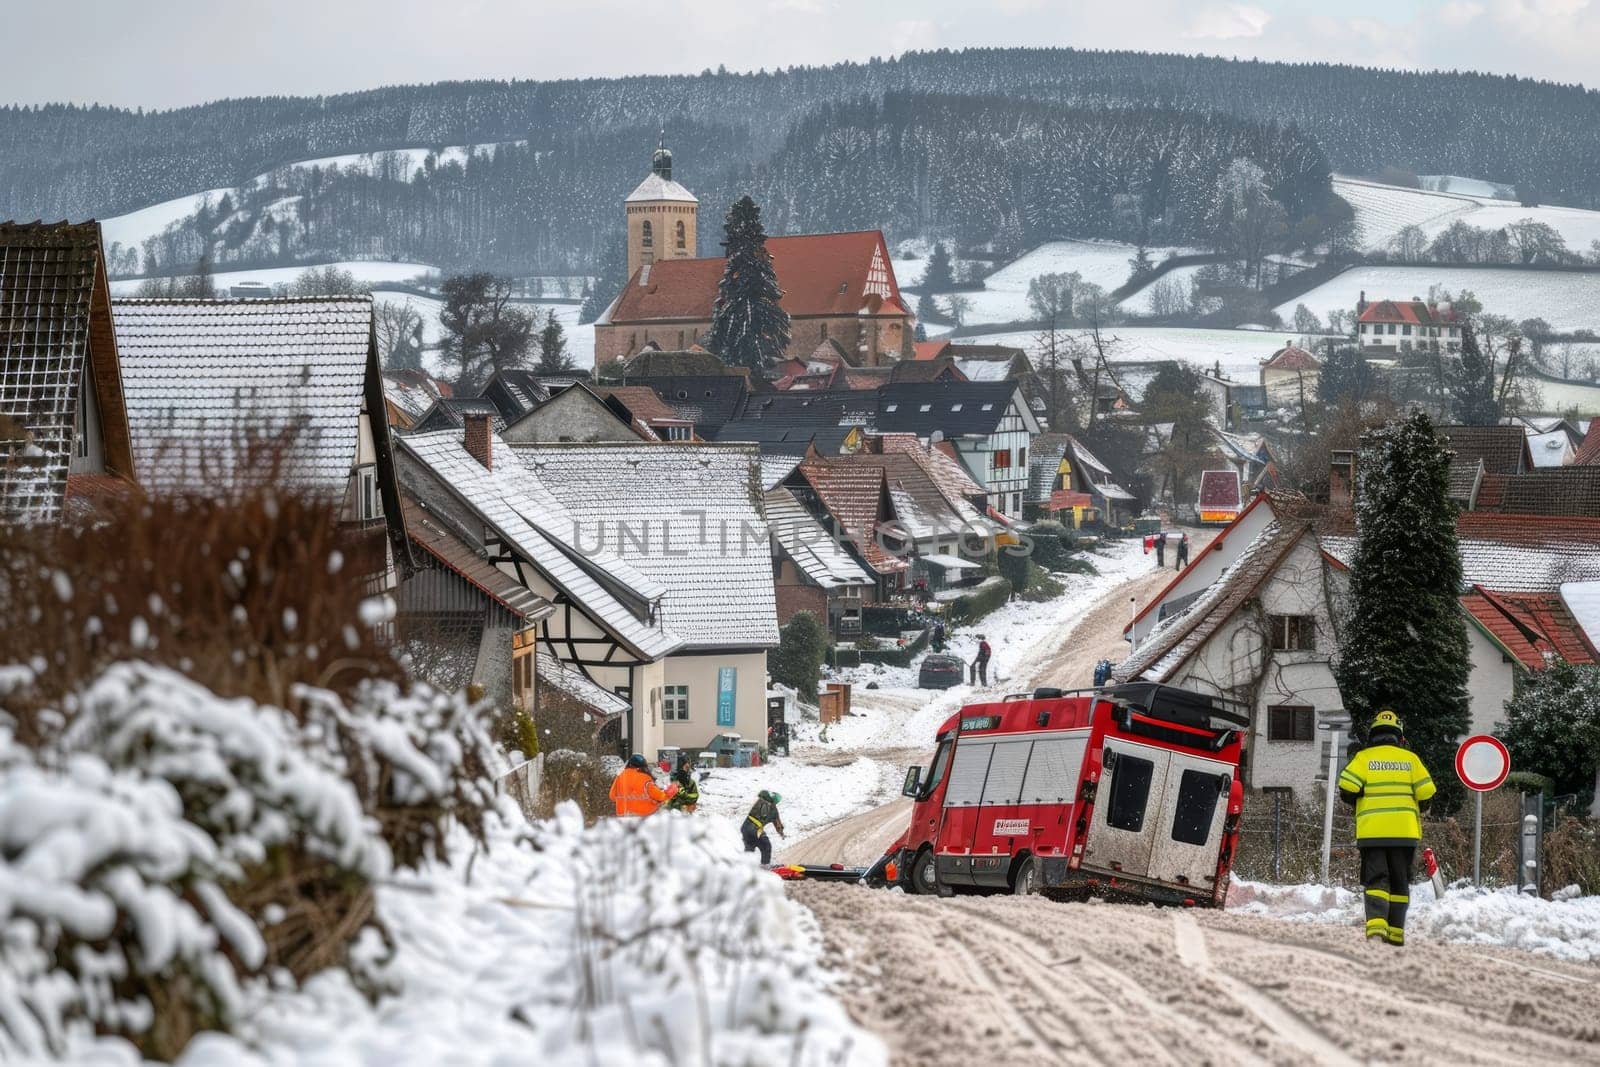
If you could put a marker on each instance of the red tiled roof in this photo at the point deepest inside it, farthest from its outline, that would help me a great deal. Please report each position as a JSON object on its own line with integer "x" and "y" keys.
{"x": 819, "y": 274}
{"x": 1062, "y": 499}
{"x": 853, "y": 494}
{"x": 1588, "y": 454}
{"x": 929, "y": 349}
{"x": 1416, "y": 312}
{"x": 1219, "y": 490}
{"x": 1531, "y": 626}
{"x": 1503, "y": 449}
{"x": 643, "y": 402}
{"x": 1292, "y": 357}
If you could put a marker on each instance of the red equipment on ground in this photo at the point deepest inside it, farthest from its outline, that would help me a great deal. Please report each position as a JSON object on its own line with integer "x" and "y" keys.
{"x": 1131, "y": 790}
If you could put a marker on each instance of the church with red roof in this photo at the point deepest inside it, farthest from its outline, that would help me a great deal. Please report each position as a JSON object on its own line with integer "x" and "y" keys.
{"x": 837, "y": 287}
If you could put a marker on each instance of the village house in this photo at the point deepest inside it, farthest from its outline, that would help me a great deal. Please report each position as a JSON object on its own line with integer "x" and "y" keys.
{"x": 1288, "y": 379}
{"x": 607, "y": 628}
{"x": 1255, "y": 616}
{"x": 643, "y": 409}
{"x": 989, "y": 424}
{"x": 64, "y": 436}
{"x": 811, "y": 570}
{"x": 853, "y": 504}
{"x": 224, "y": 395}
{"x": 708, "y": 401}
{"x": 451, "y": 413}
{"x": 1384, "y": 327}
{"x": 689, "y": 518}
{"x": 838, "y": 286}
{"x": 1068, "y": 484}
{"x": 576, "y": 413}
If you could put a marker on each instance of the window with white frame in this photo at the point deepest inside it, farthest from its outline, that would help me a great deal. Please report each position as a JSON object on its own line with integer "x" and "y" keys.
{"x": 369, "y": 498}
{"x": 675, "y": 703}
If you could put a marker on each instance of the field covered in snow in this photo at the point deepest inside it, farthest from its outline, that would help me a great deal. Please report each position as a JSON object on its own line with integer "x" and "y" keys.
{"x": 1004, "y": 298}
{"x": 1384, "y": 210}
{"x": 366, "y": 271}
{"x": 1567, "y": 300}
{"x": 580, "y": 339}
{"x": 1238, "y": 352}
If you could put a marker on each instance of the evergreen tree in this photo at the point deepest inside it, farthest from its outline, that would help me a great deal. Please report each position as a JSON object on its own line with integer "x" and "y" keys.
{"x": 927, "y": 310}
{"x": 1553, "y": 726}
{"x": 1404, "y": 643}
{"x": 553, "y": 355}
{"x": 749, "y": 327}
{"x": 1472, "y": 383}
{"x": 939, "y": 277}
{"x": 802, "y": 647}
{"x": 1141, "y": 263}
{"x": 920, "y": 332}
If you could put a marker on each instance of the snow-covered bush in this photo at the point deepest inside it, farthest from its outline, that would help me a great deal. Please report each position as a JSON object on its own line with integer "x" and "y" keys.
{"x": 114, "y": 913}
{"x": 160, "y": 844}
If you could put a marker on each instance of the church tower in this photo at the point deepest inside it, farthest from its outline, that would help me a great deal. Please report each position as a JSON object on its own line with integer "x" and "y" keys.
{"x": 661, "y": 215}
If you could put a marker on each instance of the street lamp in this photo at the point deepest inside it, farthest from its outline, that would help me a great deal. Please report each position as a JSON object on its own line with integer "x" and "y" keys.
{"x": 1336, "y": 724}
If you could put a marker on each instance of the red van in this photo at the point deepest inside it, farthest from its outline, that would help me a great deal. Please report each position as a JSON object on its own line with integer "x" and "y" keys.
{"x": 1131, "y": 790}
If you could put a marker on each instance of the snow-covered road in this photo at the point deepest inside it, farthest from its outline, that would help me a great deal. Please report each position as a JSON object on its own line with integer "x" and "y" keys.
{"x": 1283, "y": 976}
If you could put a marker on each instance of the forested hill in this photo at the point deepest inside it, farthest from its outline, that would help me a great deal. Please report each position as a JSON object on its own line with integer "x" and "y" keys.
{"x": 771, "y": 131}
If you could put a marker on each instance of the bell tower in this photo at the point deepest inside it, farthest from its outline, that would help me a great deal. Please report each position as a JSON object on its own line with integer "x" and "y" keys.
{"x": 661, "y": 215}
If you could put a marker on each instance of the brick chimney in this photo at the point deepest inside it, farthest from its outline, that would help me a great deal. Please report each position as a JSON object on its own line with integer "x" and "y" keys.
{"x": 479, "y": 441}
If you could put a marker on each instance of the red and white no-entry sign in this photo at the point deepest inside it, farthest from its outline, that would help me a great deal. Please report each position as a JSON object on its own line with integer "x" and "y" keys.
{"x": 1482, "y": 763}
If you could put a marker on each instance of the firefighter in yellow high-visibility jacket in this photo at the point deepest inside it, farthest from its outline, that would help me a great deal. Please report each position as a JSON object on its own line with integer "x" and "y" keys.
{"x": 1389, "y": 787}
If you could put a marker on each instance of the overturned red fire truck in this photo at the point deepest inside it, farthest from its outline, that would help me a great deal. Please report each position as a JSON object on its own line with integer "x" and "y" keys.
{"x": 1128, "y": 791}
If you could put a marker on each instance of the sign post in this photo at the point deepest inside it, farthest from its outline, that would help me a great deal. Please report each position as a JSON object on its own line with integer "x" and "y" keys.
{"x": 1482, "y": 763}
{"x": 1337, "y": 724}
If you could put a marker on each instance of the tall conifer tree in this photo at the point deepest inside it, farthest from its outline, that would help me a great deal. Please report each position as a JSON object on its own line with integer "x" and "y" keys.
{"x": 1404, "y": 643}
{"x": 749, "y": 327}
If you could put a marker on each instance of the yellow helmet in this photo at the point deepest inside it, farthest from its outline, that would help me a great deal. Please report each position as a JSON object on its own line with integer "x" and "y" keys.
{"x": 1387, "y": 718}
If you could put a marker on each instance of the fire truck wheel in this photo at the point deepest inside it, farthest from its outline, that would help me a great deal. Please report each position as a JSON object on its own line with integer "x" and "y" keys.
{"x": 1026, "y": 880}
{"x": 924, "y": 874}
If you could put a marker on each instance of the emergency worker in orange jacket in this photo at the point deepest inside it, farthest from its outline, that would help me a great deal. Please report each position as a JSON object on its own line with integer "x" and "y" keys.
{"x": 634, "y": 791}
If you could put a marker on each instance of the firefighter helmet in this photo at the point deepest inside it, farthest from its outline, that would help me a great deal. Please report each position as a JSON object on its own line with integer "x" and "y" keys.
{"x": 1387, "y": 720}
{"x": 638, "y": 762}
{"x": 776, "y": 798}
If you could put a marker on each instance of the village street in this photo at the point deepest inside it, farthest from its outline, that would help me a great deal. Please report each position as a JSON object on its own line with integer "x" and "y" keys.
{"x": 982, "y": 978}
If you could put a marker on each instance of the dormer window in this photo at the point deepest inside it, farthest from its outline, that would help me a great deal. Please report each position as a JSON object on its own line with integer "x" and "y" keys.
{"x": 955, "y": 407}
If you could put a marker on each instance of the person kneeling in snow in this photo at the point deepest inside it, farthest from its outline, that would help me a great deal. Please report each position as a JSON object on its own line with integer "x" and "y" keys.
{"x": 754, "y": 827}
{"x": 634, "y": 791}
{"x": 1388, "y": 785}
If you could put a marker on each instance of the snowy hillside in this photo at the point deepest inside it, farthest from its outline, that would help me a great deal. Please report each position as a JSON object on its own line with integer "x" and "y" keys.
{"x": 1004, "y": 298}
{"x": 133, "y": 228}
{"x": 1238, "y": 352}
{"x": 1567, "y": 300}
{"x": 1382, "y": 211}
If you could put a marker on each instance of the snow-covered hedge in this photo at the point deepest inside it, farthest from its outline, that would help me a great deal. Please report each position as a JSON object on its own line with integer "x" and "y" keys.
{"x": 162, "y": 845}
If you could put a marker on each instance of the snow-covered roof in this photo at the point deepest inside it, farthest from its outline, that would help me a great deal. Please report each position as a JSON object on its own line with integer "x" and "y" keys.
{"x": 513, "y": 500}
{"x": 573, "y": 682}
{"x": 655, "y": 187}
{"x": 1513, "y": 553}
{"x": 776, "y": 466}
{"x": 214, "y": 387}
{"x": 984, "y": 370}
{"x": 804, "y": 540}
{"x": 1550, "y": 449}
{"x": 687, "y": 515}
{"x": 1179, "y": 635}
{"x": 1582, "y": 600}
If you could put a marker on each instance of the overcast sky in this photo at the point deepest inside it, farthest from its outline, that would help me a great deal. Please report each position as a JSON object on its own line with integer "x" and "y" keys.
{"x": 174, "y": 52}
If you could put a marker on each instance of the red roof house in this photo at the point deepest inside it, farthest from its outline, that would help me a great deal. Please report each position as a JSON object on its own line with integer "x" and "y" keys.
{"x": 1220, "y": 499}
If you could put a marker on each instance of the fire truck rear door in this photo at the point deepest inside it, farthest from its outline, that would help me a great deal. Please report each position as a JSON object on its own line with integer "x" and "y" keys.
{"x": 1127, "y": 811}
{"x": 1190, "y": 822}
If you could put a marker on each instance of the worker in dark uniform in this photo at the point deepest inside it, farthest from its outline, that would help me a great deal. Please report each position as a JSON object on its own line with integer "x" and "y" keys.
{"x": 754, "y": 827}
{"x": 1389, "y": 787}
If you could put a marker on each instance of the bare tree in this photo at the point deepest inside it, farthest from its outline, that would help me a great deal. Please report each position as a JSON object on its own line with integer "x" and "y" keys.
{"x": 957, "y": 307}
{"x": 399, "y": 331}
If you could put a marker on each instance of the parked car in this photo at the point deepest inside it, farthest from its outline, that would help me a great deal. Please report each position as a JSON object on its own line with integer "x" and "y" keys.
{"x": 941, "y": 672}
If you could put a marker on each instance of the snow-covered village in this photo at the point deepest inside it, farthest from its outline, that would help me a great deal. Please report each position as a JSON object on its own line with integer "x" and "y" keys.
{"x": 636, "y": 534}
